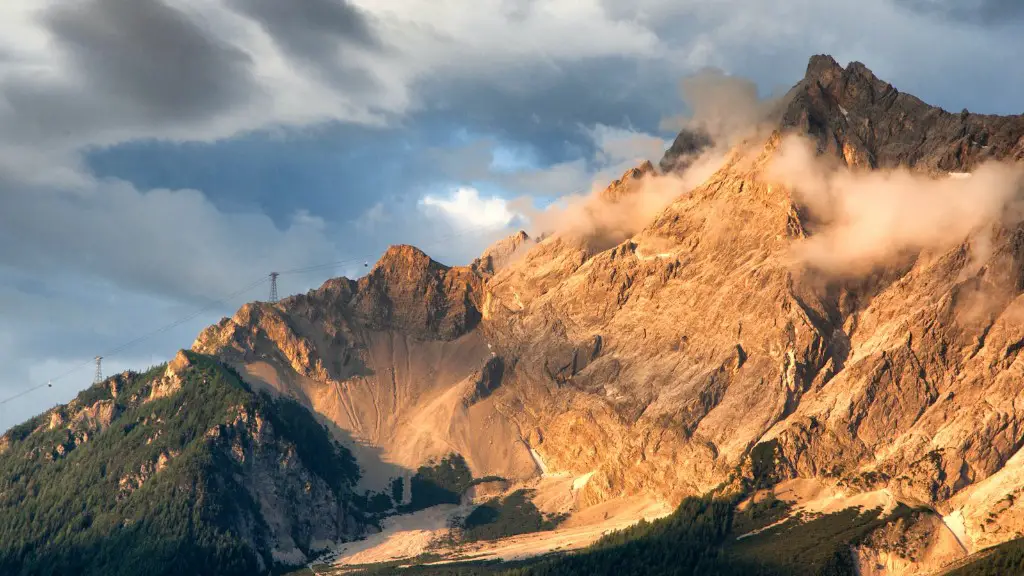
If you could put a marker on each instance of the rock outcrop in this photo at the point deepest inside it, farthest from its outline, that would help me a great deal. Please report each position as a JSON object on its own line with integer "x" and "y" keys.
{"x": 397, "y": 362}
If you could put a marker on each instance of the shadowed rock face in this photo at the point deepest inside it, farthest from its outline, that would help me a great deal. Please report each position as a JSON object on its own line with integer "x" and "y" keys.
{"x": 867, "y": 122}
{"x": 659, "y": 363}
{"x": 686, "y": 147}
{"x": 410, "y": 293}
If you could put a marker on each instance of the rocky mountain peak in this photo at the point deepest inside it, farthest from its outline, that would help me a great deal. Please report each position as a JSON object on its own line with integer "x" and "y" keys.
{"x": 405, "y": 259}
{"x": 686, "y": 147}
{"x": 824, "y": 70}
{"x": 627, "y": 183}
{"x": 866, "y": 122}
{"x": 687, "y": 350}
{"x": 501, "y": 253}
{"x": 407, "y": 290}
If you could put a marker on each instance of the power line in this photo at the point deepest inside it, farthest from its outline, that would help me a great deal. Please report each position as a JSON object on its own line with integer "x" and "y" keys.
{"x": 134, "y": 341}
{"x": 213, "y": 304}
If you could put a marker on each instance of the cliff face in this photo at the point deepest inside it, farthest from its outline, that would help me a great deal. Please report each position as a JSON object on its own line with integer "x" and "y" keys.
{"x": 657, "y": 365}
{"x": 396, "y": 362}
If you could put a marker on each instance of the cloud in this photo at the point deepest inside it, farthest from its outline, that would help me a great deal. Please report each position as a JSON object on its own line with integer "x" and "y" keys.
{"x": 612, "y": 150}
{"x": 607, "y": 216}
{"x": 486, "y": 40}
{"x": 862, "y": 220}
{"x": 320, "y": 33}
{"x": 616, "y": 145}
{"x": 983, "y": 12}
{"x": 124, "y": 63}
{"x": 724, "y": 110}
{"x": 467, "y": 209}
{"x": 170, "y": 242}
{"x": 722, "y": 106}
{"x": 151, "y": 56}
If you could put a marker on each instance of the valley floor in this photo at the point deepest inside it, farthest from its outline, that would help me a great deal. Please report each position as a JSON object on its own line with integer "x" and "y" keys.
{"x": 424, "y": 532}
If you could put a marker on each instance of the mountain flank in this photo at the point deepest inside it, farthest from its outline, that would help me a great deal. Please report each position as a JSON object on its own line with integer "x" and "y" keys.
{"x": 816, "y": 342}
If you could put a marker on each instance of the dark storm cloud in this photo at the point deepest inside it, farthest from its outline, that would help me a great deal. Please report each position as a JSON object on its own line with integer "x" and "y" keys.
{"x": 340, "y": 170}
{"x": 310, "y": 27}
{"x": 337, "y": 171}
{"x": 984, "y": 12}
{"x": 171, "y": 244}
{"x": 152, "y": 55}
{"x": 316, "y": 32}
{"x": 547, "y": 108}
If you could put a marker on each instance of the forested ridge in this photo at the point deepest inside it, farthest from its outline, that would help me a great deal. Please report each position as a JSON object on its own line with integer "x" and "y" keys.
{"x": 124, "y": 481}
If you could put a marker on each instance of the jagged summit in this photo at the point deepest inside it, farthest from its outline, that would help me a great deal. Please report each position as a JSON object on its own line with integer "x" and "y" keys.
{"x": 405, "y": 257}
{"x": 502, "y": 253}
{"x": 867, "y": 122}
{"x": 686, "y": 147}
{"x": 824, "y": 69}
{"x": 627, "y": 183}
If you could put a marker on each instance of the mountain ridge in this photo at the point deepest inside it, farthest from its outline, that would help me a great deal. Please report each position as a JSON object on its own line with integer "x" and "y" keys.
{"x": 627, "y": 365}
{"x": 683, "y": 347}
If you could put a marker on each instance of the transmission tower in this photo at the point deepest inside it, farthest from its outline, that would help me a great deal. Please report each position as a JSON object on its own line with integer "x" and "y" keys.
{"x": 99, "y": 371}
{"x": 273, "y": 286}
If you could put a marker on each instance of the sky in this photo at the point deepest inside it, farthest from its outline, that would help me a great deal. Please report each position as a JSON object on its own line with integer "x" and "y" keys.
{"x": 157, "y": 156}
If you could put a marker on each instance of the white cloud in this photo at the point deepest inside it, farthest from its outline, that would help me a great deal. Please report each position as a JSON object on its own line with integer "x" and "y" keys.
{"x": 488, "y": 36}
{"x": 467, "y": 209}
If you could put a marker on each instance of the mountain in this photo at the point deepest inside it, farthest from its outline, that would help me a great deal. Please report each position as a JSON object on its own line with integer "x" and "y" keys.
{"x": 179, "y": 470}
{"x": 839, "y": 370}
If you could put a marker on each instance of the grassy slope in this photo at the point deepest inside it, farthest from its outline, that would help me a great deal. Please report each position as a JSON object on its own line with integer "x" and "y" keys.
{"x": 1002, "y": 560}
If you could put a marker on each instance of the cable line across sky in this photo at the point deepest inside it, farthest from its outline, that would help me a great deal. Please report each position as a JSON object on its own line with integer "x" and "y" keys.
{"x": 225, "y": 300}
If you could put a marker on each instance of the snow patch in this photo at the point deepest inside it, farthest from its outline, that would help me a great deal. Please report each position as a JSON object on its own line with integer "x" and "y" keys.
{"x": 539, "y": 461}
{"x": 955, "y": 523}
{"x": 641, "y": 257}
{"x": 845, "y": 113}
{"x": 580, "y": 482}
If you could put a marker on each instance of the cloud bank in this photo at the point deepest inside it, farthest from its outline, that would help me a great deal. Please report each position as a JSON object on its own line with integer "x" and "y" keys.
{"x": 863, "y": 220}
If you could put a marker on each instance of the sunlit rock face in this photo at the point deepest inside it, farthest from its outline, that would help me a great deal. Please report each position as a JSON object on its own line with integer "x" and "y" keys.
{"x": 654, "y": 362}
